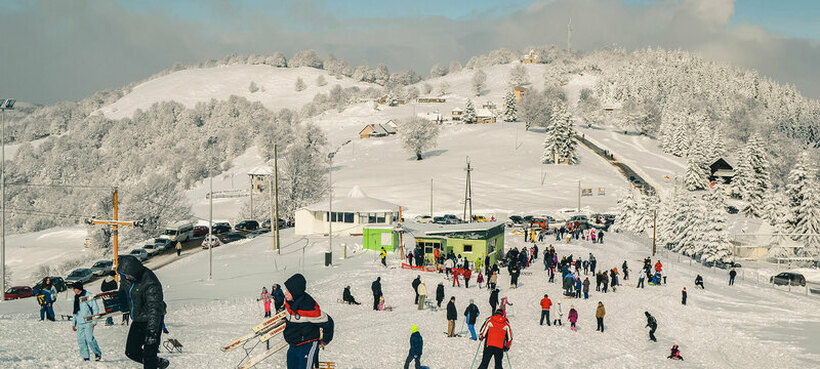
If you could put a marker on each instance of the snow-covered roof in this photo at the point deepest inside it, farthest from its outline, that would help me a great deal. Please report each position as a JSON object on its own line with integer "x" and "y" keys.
{"x": 355, "y": 201}
{"x": 431, "y": 116}
{"x": 261, "y": 171}
{"x": 457, "y": 110}
{"x": 387, "y": 128}
{"x": 391, "y": 124}
{"x": 483, "y": 113}
{"x": 432, "y": 229}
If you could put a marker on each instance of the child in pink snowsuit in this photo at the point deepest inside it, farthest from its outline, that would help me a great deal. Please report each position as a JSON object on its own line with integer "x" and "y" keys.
{"x": 480, "y": 279}
{"x": 266, "y": 299}
{"x": 381, "y": 303}
{"x": 573, "y": 317}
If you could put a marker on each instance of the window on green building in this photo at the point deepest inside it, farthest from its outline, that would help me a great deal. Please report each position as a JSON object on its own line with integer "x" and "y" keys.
{"x": 468, "y": 249}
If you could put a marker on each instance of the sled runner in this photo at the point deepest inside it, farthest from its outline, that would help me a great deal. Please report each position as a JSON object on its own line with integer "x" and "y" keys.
{"x": 172, "y": 344}
{"x": 327, "y": 365}
{"x": 257, "y": 331}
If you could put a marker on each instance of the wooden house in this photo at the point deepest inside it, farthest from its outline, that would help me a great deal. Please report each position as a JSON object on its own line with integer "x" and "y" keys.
{"x": 520, "y": 92}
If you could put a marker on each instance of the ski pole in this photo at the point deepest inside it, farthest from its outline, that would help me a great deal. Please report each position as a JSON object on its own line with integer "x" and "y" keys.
{"x": 508, "y": 360}
{"x": 478, "y": 347}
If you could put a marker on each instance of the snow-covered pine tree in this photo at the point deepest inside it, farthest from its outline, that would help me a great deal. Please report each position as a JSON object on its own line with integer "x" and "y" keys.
{"x": 509, "y": 114}
{"x": 743, "y": 174}
{"x": 714, "y": 244}
{"x": 560, "y": 137}
{"x": 469, "y": 115}
{"x": 418, "y": 134}
{"x": 779, "y": 241}
{"x": 680, "y": 141}
{"x": 299, "y": 85}
{"x": 695, "y": 178}
{"x": 518, "y": 75}
{"x": 647, "y": 205}
{"x": 775, "y": 208}
{"x": 479, "y": 82}
{"x": 808, "y": 228}
{"x": 798, "y": 181}
{"x": 627, "y": 207}
{"x": 759, "y": 179}
{"x": 690, "y": 224}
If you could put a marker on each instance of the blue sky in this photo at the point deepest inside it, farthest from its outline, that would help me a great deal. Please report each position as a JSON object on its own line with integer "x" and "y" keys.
{"x": 69, "y": 49}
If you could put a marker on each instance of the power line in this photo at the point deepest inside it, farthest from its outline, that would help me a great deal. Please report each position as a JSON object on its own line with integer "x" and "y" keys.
{"x": 58, "y": 185}
{"x": 51, "y": 213}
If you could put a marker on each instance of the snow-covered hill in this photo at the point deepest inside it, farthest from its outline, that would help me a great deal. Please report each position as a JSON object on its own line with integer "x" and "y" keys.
{"x": 191, "y": 86}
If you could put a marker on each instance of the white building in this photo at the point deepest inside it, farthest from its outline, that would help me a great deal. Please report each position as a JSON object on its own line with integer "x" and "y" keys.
{"x": 349, "y": 215}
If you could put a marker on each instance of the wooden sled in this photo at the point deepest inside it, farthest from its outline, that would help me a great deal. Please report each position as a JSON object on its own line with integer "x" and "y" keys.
{"x": 172, "y": 344}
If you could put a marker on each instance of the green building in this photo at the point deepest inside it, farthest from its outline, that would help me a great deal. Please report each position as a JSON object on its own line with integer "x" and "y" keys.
{"x": 375, "y": 237}
{"x": 470, "y": 240}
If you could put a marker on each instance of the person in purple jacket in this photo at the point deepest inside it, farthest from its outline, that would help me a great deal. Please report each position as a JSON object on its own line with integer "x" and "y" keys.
{"x": 573, "y": 317}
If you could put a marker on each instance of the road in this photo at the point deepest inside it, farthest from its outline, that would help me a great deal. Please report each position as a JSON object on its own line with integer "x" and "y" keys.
{"x": 627, "y": 171}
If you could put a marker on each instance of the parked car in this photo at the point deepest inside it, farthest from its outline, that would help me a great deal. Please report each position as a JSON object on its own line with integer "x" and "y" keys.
{"x": 424, "y": 219}
{"x": 210, "y": 241}
{"x": 140, "y": 254}
{"x": 257, "y": 233}
{"x": 152, "y": 249}
{"x": 57, "y": 282}
{"x": 481, "y": 218}
{"x": 440, "y": 220}
{"x": 83, "y": 275}
{"x": 452, "y": 219}
{"x": 788, "y": 278}
{"x": 516, "y": 219}
{"x": 247, "y": 225}
{"x": 266, "y": 224}
{"x": 579, "y": 218}
{"x": 102, "y": 267}
{"x": 231, "y": 237}
{"x": 163, "y": 244}
{"x": 732, "y": 210}
{"x": 539, "y": 222}
{"x": 200, "y": 231}
{"x": 526, "y": 219}
{"x": 221, "y": 227}
{"x": 18, "y": 292}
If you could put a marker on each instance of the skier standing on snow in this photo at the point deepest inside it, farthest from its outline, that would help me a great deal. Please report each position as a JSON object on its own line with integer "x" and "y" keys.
{"x": 265, "y": 298}
{"x": 415, "y": 284}
{"x": 600, "y": 313}
{"x": 683, "y": 296}
{"x": 452, "y": 315}
{"x": 383, "y": 255}
{"x": 546, "y": 303}
{"x": 497, "y": 336}
{"x": 85, "y": 329}
{"x": 144, "y": 297}
{"x": 346, "y": 297}
{"x": 376, "y": 287}
{"x": 439, "y": 294}
{"x": 471, "y": 312}
{"x": 494, "y": 299}
{"x": 572, "y": 317}
{"x": 416, "y": 346}
{"x": 422, "y": 292}
{"x": 652, "y": 324}
{"x": 732, "y": 275}
{"x": 307, "y": 327}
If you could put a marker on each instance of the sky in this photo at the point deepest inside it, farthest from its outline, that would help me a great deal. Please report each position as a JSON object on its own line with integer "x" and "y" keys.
{"x": 56, "y": 50}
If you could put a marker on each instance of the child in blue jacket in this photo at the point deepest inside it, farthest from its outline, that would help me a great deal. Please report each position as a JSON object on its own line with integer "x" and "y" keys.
{"x": 85, "y": 329}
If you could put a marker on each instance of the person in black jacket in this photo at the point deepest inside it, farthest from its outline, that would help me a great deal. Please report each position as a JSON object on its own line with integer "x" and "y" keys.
{"x": 110, "y": 284}
{"x": 683, "y": 296}
{"x": 471, "y": 312}
{"x": 415, "y": 284}
{"x": 278, "y": 297}
{"x": 307, "y": 327}
{"x": 439, "y": 294}
{"x": 348, "y": 297}
{"x": 452, "y": 315}
{"x": 416, "y": 346}
{"x": 143, "y": 294}
{"x": 652, "y": 324}
{"x": 376, "y": 287}
{"x": 493, "y": 299}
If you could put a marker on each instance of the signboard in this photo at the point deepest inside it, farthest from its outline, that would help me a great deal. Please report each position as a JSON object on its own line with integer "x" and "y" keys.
{"x": 387, "y": 239}
{"x": 586, "y": 192}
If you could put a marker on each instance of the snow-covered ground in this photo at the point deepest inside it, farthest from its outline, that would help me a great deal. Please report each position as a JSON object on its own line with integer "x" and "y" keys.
{"x": 26, "y": 252}
{"x": 725, "y": 327}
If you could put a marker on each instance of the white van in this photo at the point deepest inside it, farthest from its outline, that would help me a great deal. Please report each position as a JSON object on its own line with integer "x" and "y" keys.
{"x": 180, "y": 231}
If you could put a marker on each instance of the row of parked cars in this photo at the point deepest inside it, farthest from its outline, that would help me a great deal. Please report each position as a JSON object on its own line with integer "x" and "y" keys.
{"x": 447, "y": 219}
{"x": 549, "y": 222}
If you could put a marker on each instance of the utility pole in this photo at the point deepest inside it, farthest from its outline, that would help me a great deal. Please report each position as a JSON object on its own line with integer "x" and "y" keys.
{"x": 115, "y": 223}
{"x": 431, "y": 197}
{"x": 5, "y": 104}
{"x": 252, "y": 180}
{"x": 276, "y": 195}
{"x": 654, "y": 227}
{"x": 579, "y": 196}
{"x": 468, "y": 194}
{"x": 210, "y": 227}
{"x": 569, "y": 35}
{"x": 330, "y": 156}
{"x": 273, "y": 221}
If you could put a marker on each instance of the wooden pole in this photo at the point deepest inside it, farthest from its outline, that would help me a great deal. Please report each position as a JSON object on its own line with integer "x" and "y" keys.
{"x": 654, "y": 227}
{"x": 276, "y": 195}
{"x": 115, "y": 232}
{"x": 431, "y": 198}
{"x": 273, "y": 221}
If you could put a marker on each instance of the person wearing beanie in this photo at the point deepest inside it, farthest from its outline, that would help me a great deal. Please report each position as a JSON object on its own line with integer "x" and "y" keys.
{"x": 572, "y": 317}
{"x": 265, "y": 298}
{"x": 472, "y": 314}
{"x": 145, "y": 303}
{"x": 307, "y": 327}
{"x": 347, "y": 297}
{"x": 83, "y": 327}
{"x": 109, "y": 284}
{"x": 497, "y": 335}
{"x": 416, "y": 347}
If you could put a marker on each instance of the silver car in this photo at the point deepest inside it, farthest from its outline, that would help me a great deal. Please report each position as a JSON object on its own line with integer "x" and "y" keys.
{"x": 82, "y": 275}
{"x": 102, "y": 267}
{"x": 140, "y": 254}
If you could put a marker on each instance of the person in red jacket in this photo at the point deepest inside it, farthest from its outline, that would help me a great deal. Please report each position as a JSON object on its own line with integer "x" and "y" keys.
{"x": 546, "y": 303}
{"x": 658, "y": 266}
{"x": 497, "y": 336}
{"x": 467, "y": 275}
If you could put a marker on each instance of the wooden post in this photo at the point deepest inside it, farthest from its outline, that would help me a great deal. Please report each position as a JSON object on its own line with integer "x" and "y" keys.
{"x": 276, "y": 195}
{"x": 654, "y": 227}
{"x": 115, "y": 233}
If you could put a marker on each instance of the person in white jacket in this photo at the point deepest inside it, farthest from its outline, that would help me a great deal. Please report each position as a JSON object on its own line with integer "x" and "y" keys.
{"x": 83, "y": 327}
{"x": 422, "y": 290}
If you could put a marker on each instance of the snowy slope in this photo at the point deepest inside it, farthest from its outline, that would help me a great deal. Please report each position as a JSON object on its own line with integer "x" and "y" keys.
{"x": 26, "y": 252}
{"x": 721, "y": 327}
{"x": 192, "y": 86}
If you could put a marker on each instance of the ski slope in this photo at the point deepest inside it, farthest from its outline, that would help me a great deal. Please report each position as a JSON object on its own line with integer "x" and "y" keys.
{"x": 721, "y": 327}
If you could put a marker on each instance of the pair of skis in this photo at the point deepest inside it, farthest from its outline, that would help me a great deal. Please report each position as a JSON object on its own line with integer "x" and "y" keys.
{"x": 113, "y": 303}
{"x": 264, "y": 331}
